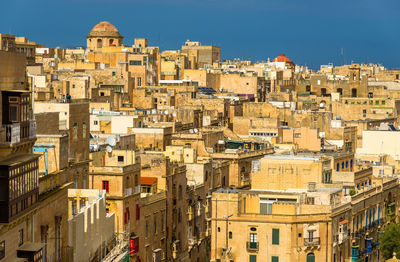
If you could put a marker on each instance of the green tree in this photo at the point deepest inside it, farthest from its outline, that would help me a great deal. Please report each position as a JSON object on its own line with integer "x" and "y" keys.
{"x": 390, "y": 240}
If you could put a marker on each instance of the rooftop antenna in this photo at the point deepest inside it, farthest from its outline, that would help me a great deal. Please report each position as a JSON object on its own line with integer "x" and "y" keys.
{"x": 343, "y": 57}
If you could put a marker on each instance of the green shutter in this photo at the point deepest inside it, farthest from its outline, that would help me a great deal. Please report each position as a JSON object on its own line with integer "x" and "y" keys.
{"x": 311, "y": 257}
{"x": 274, "y": 259}
{"x": 275, "y": 236}
{"x": 253, "y": 258}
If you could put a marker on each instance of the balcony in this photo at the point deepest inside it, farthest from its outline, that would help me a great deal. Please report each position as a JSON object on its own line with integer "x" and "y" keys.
{"x": 311, "y": 241}
{"x": 19, "y": 132}
{"x": 128, "y": 191}
{"x": 252, "y": 246}
{"x": 13, "y": 133}
{"x": 342, "y": 237}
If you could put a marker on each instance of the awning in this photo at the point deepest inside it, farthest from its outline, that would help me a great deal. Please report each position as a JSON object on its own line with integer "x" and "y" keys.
{"x": 147, "y": 181}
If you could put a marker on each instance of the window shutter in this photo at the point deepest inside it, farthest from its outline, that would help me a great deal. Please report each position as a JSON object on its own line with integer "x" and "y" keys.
{"x": 137, "y": 212}
{"x": 275, "y": 236}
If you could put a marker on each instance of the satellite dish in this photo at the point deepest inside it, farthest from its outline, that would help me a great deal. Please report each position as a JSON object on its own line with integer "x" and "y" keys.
{"x": 109, "y": 149}
{"x": 166, "y": 112}
{"x": 174, "y": 114}
{"x": 191, "y": 131}
{"x": 196, "y": 130}
{"x": 111, "y": 140}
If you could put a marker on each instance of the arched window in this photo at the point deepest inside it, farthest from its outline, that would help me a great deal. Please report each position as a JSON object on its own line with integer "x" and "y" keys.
{"x": 99, "y": 43}
{"x": 310, "y": 257}
{"x": 342, "y": 165}
{"x": 337, "y": 167}
{"x": 351, "y": 165}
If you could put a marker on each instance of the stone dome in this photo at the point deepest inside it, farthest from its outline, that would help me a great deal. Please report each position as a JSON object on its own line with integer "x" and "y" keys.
{"x": 104, "y": 29}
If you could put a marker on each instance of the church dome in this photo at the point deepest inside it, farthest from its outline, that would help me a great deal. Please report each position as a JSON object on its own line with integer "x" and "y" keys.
{"x": 104, "y": 29}
{"x": 282, "y": 58}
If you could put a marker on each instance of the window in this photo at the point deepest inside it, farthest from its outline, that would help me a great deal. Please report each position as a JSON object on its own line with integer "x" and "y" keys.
{"x": 147, "y": 228}
{"x": 155, "y": 224}
{"x": 127, "y": 215}
{"x": 310, "y": 235}
{"x": 73, "y": 86}
{"x": 253, "y": 238}
{"x": 120, "y": 158}
{"x": 274, "y": 259}
{"x": 265, "y": 206}
{"x": 230, "y": 234}
{"x": 14, "y": 109}
{"x": 162, "y": 221}
{"x": 2, "y": 249}
{"x": 337, "y": 167}
{"x": 275, "y": 236}
{"x": 101, "y": 93}
{"x": 75, "y": 131}
{"x": 180, "y": 192}
{"x": 135, "y": 62}
{"x": 137, "y": 212}
{"x": 105, "y": 185}
{"x": 95, "y": 122}
{"x": 139, "y": 81}
{"x": 83, "y": 129}
{"x": 20, "y": 237}
{"x": 253, "y": 258}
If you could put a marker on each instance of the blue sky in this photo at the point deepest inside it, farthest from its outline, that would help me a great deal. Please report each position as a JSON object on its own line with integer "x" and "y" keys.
{"x": 310, "y": 32}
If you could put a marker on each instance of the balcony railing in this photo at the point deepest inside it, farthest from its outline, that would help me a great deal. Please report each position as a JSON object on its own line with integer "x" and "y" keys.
{"x": 252, "y": 246}
{"x": 128, "y": 191}
{"x": 311, "y": 241}
{"x": 13, "y": 133}
{"x": 19, "y": 132}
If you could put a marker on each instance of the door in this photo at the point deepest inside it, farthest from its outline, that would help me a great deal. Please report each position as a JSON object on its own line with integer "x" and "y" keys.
{"x": 311, "y": 257}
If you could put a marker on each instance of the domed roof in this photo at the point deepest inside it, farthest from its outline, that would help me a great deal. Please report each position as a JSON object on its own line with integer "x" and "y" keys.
{"x": 104, "y": 29}
{"x": 282, "y": 58}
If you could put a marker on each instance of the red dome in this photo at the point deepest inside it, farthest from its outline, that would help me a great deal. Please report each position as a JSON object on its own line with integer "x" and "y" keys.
{"x": 282, "y": 58}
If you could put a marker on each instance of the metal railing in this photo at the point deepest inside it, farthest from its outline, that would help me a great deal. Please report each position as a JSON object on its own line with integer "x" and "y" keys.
{"x": 252, "y": 246}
